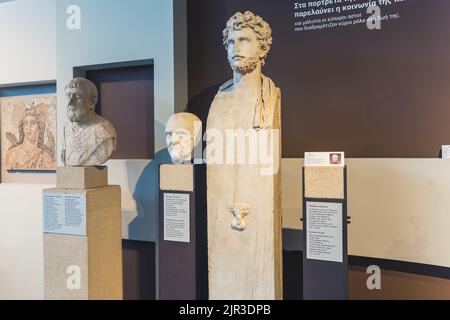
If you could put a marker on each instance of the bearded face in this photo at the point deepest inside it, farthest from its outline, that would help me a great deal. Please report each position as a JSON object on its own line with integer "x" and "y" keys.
{"x": 179, "y": 144}
{"x": 78, "y": 106}
{"x": 244, "y": 50}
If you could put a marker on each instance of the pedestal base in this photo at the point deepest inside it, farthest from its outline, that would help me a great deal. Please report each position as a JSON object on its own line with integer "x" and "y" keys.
{"x": 182, "y": 244}
{"x": 325, "y": 252}
{"x": 81, "y": 177}
{"x": 244, "y": 234}
{"x": 82, "y": 239}
{"x": 324, "y": 182}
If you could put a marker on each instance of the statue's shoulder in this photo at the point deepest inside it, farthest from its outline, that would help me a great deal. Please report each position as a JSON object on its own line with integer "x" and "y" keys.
{"x": 217, "y": 102}
{"x": 101, "y": 124}
{"x": 226, "y": 86}
{"x": 270, "y": 82}
{"x": 271, "y": 88}
{"x": 100, "y": 129}
{"x": 218, "y": 106}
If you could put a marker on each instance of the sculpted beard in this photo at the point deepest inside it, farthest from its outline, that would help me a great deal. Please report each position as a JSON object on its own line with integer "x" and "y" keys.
{"x": 173, "y": 146}
{"x": 75, "y": 113}
{"x": 181, "y": 150}
{"x": 245, "y": 65}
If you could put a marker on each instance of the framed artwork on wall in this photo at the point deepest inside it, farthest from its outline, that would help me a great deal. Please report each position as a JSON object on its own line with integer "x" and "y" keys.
{"x": 28, "y": 132}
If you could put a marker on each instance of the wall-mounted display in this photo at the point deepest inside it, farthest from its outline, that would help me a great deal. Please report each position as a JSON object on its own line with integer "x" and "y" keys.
{"x": 28, "y": 132}
{"x": 130, "y": 85}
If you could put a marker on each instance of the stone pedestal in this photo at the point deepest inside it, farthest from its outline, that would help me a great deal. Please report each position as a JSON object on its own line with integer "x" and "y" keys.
{"x": 244, "y": 231}
{"x": 82, "y": 236}
{"x": 81, "y": 177}
{"x": 182, "y": 242}
{"x": 324, "y": 182}
{"x": 325, "y": 253}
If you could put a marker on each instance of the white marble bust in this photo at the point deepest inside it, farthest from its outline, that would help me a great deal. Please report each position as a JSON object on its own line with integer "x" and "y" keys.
{"x": 250, "y": 101}
{"x": 89, "y": 139}
{"x": 247, "y": 39}
{"x": 182, "y": 132}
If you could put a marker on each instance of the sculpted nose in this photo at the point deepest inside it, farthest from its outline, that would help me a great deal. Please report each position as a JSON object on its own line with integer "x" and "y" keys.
{"x": 175, "y": 138}
{"x": 71, "y": 99}
{"x": 237, "y": 47}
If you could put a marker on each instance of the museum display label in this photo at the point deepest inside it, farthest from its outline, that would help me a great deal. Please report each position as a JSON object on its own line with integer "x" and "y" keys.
{"x": 322, "y": 159}
{"x": 176, "y": 217}
{"x": 65, "y": 213}
{"x": 324, "y": 231}
{"x": 446, "y": 152}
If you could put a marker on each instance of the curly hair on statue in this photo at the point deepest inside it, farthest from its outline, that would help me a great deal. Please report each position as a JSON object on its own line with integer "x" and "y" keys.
{"x": 248, "y": 19}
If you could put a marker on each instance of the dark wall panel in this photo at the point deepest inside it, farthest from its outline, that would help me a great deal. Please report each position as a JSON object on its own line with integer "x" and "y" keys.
{"x": 373, "y": 94}
{"x": 126, "y": 98}
{"x": 139, "y": 270}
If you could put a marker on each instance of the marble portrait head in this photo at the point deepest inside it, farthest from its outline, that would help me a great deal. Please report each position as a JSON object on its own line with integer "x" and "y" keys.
{"x": 89, "y": 139}
{"x": 82, "y": 97}
{"x": 182, "y": 132}
{"x": 247, "y": 38}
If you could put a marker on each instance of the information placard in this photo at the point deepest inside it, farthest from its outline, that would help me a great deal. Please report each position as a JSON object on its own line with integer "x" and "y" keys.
{"x": 324, "y": 231}
{"x": 176, "y": 217}
{"x": 324, "y": 159}
{"x": 65, "y": 213}
{"x": 446, "y": 152}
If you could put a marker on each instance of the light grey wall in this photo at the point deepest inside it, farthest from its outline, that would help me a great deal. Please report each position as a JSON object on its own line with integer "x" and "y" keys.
{"x": 115, "y": 31}
{"x": 21, "y": 242}
{"x": 39, "y": 47}
{"x": 27, "y": 41}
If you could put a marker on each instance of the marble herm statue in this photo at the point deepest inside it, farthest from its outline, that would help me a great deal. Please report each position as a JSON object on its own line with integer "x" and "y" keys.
{"x": 89, "y": 139}
{"x": 182, "y": 136}
{"x": 244, "y": 207}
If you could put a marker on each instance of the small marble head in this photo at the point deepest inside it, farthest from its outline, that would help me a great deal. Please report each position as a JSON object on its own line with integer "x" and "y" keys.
{"x": 247, "y": 38}
{"x": 82, "y": 97}
{"x": 182, "y": 135}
